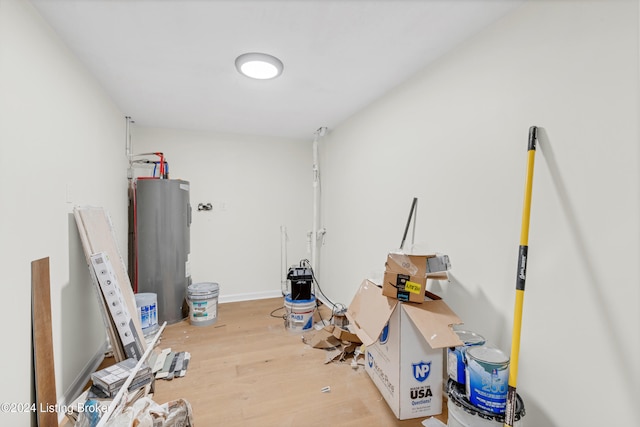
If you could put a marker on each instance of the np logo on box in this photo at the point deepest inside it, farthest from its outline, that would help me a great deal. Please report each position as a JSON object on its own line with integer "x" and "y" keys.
{"x": 384, "y": 335}
{"x": 421, "y": 370}
{"x": 370, "y": 359}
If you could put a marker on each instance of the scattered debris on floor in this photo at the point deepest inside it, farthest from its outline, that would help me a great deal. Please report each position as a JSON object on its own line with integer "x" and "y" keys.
{"x": 433, "y": 422}
{"x": 120, "y": 394}
{"x": 169, "y": 365}
{"x": 338, "y": 343}
{"x": 143, "y": 412}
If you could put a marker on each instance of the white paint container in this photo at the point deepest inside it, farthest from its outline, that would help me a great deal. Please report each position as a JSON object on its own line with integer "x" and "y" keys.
{"x": 456, "y": 355}
{"x": 203, "y": 303}
{"x": 487, "y": 378}
{"x": 463, "y": 414}
{"x": 147, "y": 306}
{"x": 299, "y": 313}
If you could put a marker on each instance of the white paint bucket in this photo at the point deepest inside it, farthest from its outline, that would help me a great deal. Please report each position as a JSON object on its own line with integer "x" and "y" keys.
{"x": 456, "y": 355}
{"x": 463, "y": 414}
{"x": 299, "y": 313}
{"x": 147, "y": 305}
{"x": 487, "y": 377}
{"x": 203, "y": 303}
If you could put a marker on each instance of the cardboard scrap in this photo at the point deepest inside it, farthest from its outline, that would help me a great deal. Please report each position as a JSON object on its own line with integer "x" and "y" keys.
{"x": 340, "y": 355}
{"x": 332, "y": 355}
{"x": 338, "y": 343}
{"x": 344, "y": 335}
{"x": 321, "y": 339}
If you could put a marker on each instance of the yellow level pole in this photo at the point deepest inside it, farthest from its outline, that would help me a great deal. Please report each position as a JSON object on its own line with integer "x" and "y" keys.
{"x": 510, "y": 412}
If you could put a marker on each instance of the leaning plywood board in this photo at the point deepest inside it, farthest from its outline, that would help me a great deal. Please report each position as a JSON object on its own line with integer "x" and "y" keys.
{"x": 43, "y": 342}
{"x": 97, "y": 235}
{"x": 112, "y": 334}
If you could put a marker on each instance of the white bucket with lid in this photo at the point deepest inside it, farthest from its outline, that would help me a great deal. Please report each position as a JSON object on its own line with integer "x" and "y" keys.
{"x": 299, "y": 313}
{"x": 147, "y": 306}
{"x": 203, "y": 303}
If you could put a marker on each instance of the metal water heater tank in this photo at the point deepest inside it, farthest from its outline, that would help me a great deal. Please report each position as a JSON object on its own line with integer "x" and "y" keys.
{"x": 162, "y": 243}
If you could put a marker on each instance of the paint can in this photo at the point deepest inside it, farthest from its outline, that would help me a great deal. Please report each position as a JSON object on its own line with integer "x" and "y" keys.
{"x": 299, "y": 313}
{"x": 203, "y": 303}
{"x": 147, "y": 306}
{"x": 463, "y": 414}
{"x": 455, "y": 355}
{"x": 487, "y": 378}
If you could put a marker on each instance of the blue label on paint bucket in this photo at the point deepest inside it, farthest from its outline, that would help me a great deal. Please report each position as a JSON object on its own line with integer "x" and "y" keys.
{"x": 148, "y": 316}
{"x": 299, "y": 313}
{"x": 456, "y": 355}
{"x": 487, "y": 376}
{"x": 455, "y": 364}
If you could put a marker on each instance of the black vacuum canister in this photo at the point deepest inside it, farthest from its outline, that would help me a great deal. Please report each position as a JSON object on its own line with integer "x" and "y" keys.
{"x": 301, "y": 280}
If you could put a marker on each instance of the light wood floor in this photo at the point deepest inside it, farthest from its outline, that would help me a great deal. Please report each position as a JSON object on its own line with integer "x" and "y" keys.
{"x": 248, "y": 370}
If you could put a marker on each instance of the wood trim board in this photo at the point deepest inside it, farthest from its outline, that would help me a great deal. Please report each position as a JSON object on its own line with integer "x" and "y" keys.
{"x": 45, "y": 379}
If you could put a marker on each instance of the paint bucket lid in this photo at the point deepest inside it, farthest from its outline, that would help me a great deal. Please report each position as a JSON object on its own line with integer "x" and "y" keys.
{"x": 457, "y": 395}
{"x": 488, "y": 355}
{"x": 288, "y": 300}
{"x": 470, "y": 338}
{"x": 144, "y": 299}
{"x": 203, "y": 290}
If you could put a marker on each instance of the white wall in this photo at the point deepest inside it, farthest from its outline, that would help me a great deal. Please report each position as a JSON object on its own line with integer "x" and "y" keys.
{"x": 255, "y": 185}
{"x": 455, "y": 136}
{"x": 61, "y": 144}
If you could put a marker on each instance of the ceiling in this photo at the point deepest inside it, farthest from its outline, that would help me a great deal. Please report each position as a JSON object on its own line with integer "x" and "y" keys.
{"x": 170, "y": 63}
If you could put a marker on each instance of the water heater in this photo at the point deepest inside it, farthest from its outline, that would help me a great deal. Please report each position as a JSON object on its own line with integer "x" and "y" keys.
{"x": 162, "y": 218}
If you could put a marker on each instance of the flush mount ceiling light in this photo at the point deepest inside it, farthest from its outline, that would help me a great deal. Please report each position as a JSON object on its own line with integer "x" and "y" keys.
{"x": 259, "y": 65}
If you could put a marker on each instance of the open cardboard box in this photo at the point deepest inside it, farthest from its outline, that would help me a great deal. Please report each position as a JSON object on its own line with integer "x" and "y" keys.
{"x": 404, "y": 341}
{"x": 402, "y": 283}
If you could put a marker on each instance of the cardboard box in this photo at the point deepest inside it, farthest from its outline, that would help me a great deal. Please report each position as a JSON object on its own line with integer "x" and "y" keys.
{"x": 405, "y": 276}
{"x": 404, "y": 348}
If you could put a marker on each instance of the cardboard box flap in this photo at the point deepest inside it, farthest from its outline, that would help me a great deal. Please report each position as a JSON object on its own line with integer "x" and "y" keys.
{"x": 344, "y": 335}
{"x": 369, "y": 311}
{"x": 434, "y": 320}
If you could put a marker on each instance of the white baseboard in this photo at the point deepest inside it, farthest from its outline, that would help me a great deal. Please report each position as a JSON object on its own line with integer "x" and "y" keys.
{"x": 261, "y": 295}
{"x": 81, "y": 380}
{"x": 249, "y": 296}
